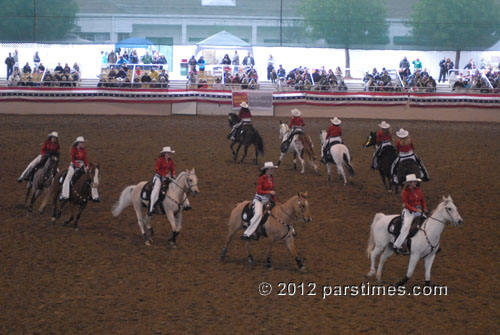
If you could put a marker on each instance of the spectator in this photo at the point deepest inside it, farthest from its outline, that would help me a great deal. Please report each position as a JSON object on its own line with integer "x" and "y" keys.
{"x": 270, "y": 66}
{"x": 281, "y": 73}
{"x": 146, "y": 78}
{"x": 375, "y": 74}
{"x": 14, "y": 78}
{"x": 404, "y": 64}
{"x": 154, "y": 75}
{"x": 459, "y": 85}
{"x": 76, "y": 68}
{"x": 443, "y": 69}
{"x": 58, "y": 68}
{"x": 121, "y": 61}
{"x": 162, "y": 60}
{"x": 36, "y": 60}
{"x": 236, "y": 58}
{"x": 112, "y": 57}
{"x": 316, "y": 76}
{"x": 16, "y": 58}
{"x": 192, "y": 64}
{"x": 226, "y": 60}
{"x": 66, "y": 69}
{"x": 134, "y": 58}
{"x": 248, "y": 60}
{"x": 10, "y": 62}
{"x": 218, "y": 84}
{"x": 41, "y": 68}
{"x": 125, "y": 55}
{"x": 201, "y": 64}
{"x": 27, "y": 68}
{"x": 425, "y": 73}
{"x": 484, "y": 64}
{"x": 470, "y": 65}
{"x": 417, "y": 64}
{"x": 104, "y": 58}
{"x": 147, "y": 59}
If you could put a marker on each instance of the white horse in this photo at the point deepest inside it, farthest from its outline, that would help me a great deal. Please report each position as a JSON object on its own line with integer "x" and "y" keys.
{"x": 301, "y": 144}
{"x": 425, "y": 244}
{"x": 186, "y": 183}
{"x": 341, "y": 158}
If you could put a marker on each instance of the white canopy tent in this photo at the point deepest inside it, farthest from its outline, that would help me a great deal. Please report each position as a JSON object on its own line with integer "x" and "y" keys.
{"x": 219, "y": 44}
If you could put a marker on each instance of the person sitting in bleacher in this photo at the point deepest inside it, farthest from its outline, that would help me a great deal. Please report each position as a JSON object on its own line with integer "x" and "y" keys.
{"x": 146, "y": 78}
{"x": 58, "y": 68}
{"x": 154, "y": 75}
{"x": 27, "y": 68}
{"x": 14, "y": 78}
{"x": 66, "y": 69}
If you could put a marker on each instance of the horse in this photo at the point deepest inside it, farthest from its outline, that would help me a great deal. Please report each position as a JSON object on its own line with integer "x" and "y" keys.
{"x": 178, "y": 190}
{"x": 278, "y": 227}
{"x": 425, "y": 244}
{"x": 249, "y": 136}
{"x": 406, "y": 167}
{"x": 80, "y": 194}
{"x": 385, "y": 160}
{"x": 300, "y": 144}
{"x": 41, "y": 180}
{"x": 341, "y": 158}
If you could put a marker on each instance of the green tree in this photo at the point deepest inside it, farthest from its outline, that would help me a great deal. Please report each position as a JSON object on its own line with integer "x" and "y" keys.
{"x": 36, "y": 20}
{"x": 347, "y": 23}
{"x": 455, "y": 24}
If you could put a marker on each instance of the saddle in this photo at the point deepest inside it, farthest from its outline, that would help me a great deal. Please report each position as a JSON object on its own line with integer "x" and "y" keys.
{"x": 78, "y": 173}
{"x": 286, "y": 144}
{"x": 247, "y": 215}
{"x": 148, "y": 188}
{"x": 394, "y": 228}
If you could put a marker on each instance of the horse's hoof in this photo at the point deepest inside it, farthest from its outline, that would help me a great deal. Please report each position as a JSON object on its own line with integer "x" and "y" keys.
{"x": 30, "y": 209}
{"x": 250, "y": 260}
{"x": 269, "y": 268}
{"x": 303, "y": 269}
{"x": 148, "y": 243}
{"x": 53, "y": 220}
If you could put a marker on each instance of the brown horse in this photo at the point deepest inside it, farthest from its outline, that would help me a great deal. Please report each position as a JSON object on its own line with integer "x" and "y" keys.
{"x": 80, "y": 194}
{"x": 278, "y": 226}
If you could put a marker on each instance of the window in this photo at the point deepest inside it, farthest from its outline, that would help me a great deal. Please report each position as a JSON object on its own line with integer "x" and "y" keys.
{"x": 231, "y": 3}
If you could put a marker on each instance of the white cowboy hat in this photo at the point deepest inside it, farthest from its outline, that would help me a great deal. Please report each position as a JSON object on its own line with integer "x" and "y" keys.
{"x": 295, "y": 112}
{"x": 335, "y": 121}
{"x": 411, "y": 177}
{"x": 53, "y": 134}
{"x": 268, "y": 165}
{"x": 168, "y": 150}
{"x": 79, "y": 139}
{"x": 244, "y": 104}
{"x": 402, "y": 133}
{"x": 384, "y": 125}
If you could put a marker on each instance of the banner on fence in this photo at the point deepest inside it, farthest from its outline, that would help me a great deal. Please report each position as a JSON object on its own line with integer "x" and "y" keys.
{"x": 238, "y": 98}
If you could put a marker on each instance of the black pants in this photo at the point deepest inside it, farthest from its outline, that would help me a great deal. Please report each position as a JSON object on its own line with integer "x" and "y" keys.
{"x": 442, "y": 74}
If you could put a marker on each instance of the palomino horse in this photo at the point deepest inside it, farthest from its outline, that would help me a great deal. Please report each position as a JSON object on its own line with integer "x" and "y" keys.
{"x": 80, "y": 194}
{"x": 186, "y": 183}
{"x": 249, "y": 136}
{"x": 425, "y": 244}
{"x": 278, "y": 226}
{"x": 301, "y": 144}
{"x": 385, "y": 160}
{"x": 42, "y": 179}
{"x": 341, "y": 158}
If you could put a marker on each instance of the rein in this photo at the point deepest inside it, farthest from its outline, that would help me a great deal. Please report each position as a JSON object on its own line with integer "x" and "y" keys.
{"x": 289, "y": 216}
{"x": 186, "y": 191}
{"x": 425, "y": 232}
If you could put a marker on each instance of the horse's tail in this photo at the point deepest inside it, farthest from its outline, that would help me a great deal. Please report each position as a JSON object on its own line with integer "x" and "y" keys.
{"x": 259, "y": 143}
{"x": 124, "y": 201}
{"x": 347, "y": 164}
{"x": 50, "y": 194}
{"x": 308, "y": 146}
{"x": 371, "y": 239}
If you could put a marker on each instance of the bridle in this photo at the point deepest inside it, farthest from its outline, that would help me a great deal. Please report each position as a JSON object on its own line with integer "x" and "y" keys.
{"x": 186, "y": 189}
{"x": 425, "y": 232}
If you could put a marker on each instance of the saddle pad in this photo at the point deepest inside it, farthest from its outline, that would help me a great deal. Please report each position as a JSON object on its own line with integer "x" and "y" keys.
{"x": 394, "y": 227}
{"x": 248, "y": 211}
{"x": 148, "y": 188}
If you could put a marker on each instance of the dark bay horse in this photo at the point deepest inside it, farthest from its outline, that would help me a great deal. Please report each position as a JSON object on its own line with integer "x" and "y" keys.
{"x": 42, "y": 178}
{"x": 249, "y": 136}
{"x": 385, "y": 160}
{"x": 80, "y": 194}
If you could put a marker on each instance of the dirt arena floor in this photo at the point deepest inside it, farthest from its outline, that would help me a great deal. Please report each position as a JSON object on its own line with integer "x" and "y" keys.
{"x": 102, "y": 279}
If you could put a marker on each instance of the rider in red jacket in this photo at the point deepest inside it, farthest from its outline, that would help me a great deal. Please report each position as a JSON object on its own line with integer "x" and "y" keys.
{"x": 265, "y": 193}
{"x": 333, "y": 136}
{"x": 245, "y": 118}
{"x": 414, "y": 205}
{"x": 49, "y": 147}
{"x": 384, "y": 139}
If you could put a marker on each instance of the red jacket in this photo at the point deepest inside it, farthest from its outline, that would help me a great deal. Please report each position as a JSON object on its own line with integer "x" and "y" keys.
{"x": 297, "y": 122}
{"x": 404, "y": 148}
{"x": 79, "y": 155}
{"x": 48, "y": 147}
{"x": 164, "y": 166}
{"x": 334, "y": 131}
{"x": 244, "y": 113}
{"x": 265, "y": 185}
{"x": 381, "y": 137}
{"x": 413, "y": 198}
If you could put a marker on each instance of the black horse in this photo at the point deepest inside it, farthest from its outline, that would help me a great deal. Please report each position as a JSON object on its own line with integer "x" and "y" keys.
{"x": 384, "y": 161}
{"x": 247, "y": 136}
